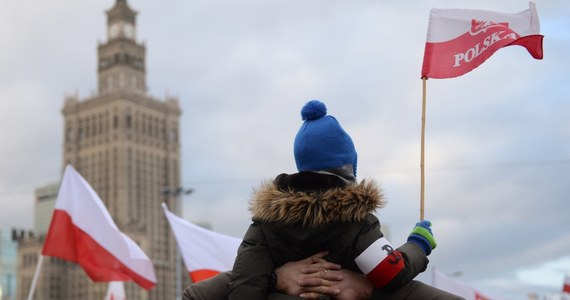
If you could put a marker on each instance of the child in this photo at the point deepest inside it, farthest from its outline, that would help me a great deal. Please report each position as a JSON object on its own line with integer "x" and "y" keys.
{"x": 323, "y": 207}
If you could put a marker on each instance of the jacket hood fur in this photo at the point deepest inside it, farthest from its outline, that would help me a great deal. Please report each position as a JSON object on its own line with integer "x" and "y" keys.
{"x": 348, "y": 204}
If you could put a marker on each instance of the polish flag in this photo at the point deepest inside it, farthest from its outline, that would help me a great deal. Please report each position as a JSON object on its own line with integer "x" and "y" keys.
{"x": 82, "y": 231}
{"x": 116, "y": 291}
{"x": 205, "y": 252}
{"x": 459, "y": 288}
{"x": 459, "y": 40}
{"x": 566, "y": 288}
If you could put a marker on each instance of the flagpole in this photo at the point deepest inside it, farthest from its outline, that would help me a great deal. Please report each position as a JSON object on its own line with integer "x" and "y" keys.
{"x": 422, "y": 154}
{"x": 177, "y": 193}
{"x": 35, "y": 279}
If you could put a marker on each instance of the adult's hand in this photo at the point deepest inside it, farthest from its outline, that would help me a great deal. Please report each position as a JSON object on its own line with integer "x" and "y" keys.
{"x": 307, "y": 276}
{"x": 351, "y": 286}
{"x": 314, "y": 277}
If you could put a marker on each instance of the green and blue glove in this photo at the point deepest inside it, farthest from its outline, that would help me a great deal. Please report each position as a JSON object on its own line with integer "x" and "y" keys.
{"x": 422, "y": 236}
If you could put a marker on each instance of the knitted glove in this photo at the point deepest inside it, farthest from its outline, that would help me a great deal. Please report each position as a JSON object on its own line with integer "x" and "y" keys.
{"x": 422, "y": 236}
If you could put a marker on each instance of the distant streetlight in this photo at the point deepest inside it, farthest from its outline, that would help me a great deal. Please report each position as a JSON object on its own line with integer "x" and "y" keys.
{"x": 177, "y": 192}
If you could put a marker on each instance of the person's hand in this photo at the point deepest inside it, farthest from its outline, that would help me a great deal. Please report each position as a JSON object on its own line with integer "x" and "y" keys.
{"x": 422, "y": 236}
{"x": 308, "y": 275}
{"x": 351, "y": 286}
{"x": 314, "y": 277}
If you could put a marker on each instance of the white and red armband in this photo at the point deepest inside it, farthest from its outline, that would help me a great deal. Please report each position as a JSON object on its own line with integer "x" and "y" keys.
{"x": 380, "y": 262}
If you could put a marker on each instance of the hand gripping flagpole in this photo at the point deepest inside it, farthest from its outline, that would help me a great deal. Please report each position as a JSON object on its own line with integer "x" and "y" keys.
{"x": 422, "y": 154}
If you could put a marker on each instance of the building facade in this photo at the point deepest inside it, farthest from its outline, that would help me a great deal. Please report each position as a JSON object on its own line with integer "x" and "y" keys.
{"x": 125, "y": 144}
{"x": 8, "y": 266}
{"x": 43, "y": 207}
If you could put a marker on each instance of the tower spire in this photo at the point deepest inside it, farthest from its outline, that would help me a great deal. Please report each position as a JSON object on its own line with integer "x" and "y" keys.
{"x": 121, "y": 58}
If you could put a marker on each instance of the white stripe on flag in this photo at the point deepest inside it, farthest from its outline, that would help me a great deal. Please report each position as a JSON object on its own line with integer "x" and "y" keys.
{"x": 201, "y": 248}
{"x": 81, "y": 227}
{"x": 447, "y": 24}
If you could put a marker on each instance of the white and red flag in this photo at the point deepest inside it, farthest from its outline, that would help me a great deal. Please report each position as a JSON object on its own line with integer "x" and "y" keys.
{"x": 459, "y": 40}
{"x": 459, "y": 288}
{"x": 205, "y": 252}
{"x": 82, "y": 231}
{"x": 566, "y": 287}
{"x": 115, "y": 291}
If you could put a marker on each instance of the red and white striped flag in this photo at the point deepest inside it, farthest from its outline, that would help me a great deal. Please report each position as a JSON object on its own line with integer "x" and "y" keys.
{"x": 205, "y": 252}
{"x": 566, "y": 287}
{"x": 115, "y": 291}
{"x": 459, "y": 288}
{"x": 82, "y": 231}
{"x": 459, "y": 40}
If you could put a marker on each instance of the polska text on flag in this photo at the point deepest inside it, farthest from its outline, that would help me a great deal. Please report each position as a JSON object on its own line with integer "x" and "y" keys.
{"x": 82, "y": 231}
{"x": 459, "y": 40}
{"x": 205, "y": 252}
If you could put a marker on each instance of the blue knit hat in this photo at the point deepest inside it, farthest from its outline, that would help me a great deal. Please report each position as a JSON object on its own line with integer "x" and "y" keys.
{"x": 321, "y": 143}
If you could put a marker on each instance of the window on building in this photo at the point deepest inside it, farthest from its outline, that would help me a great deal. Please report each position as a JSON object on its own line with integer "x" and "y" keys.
{"x": 100, "y": 123}
{"x": 143, "y": 125}
{"x": 80, "y": 130}
{"x": 128, "y": 120}
{"x": 87, "y": 127}
{"x": 68, "y": 133}
{"x": 94, "y": 125}
{"x": 173, "y": 135}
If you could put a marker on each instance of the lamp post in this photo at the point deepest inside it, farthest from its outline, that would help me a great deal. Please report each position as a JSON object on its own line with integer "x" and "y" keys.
{"x": 456, "y": 274}
{"x": 177, "y": 192}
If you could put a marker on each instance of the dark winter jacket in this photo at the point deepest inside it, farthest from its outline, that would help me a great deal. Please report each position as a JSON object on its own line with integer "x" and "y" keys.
{"x": 301, "y": 214}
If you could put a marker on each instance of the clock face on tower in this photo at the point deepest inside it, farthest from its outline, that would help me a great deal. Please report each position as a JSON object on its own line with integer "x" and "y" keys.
{"x": 114, "y": 30}
{"x": 129, "y": 31}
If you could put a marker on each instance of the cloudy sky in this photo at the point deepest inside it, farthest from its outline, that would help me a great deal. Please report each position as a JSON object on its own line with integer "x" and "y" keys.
{"x": 497, "y": 139}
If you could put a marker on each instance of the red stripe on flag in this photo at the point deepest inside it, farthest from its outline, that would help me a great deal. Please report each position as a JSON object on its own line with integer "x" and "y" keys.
{"x": 387, "y": 269}
{"x": 458, "y": 41}
{"x": 68, "y": 242}
{"x": 202, "y": 274}
{"x": 463, "y": 54}
{"x": 480, "y": 297}
{"x": 532, "y": 43}
{"x": 566, "y": 286}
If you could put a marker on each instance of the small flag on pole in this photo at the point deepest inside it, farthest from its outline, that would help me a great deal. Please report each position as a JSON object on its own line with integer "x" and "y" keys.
{"x": 205, "y": 252}
{"x": 116, "y": 291}
{"x": 459, "y": 288}
{"x": 566, "y": 287}
{"x": 82, "y": 231}
{"x": 459, "y": 40}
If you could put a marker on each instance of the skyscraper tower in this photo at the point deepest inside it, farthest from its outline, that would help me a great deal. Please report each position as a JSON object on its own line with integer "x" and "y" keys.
{"x": 125, "y": 144}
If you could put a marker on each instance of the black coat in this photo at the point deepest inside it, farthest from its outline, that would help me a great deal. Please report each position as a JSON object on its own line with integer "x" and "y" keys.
{"x": 299, "y": 215}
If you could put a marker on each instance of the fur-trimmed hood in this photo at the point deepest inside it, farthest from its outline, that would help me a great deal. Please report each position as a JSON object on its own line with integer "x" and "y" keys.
{"x": 287, "y": 206}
